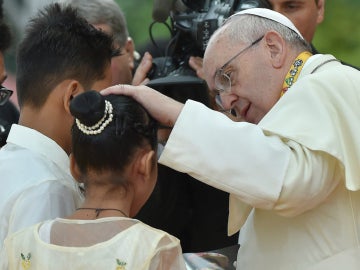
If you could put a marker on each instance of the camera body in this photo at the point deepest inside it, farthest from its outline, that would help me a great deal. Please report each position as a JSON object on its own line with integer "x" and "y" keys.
{"x": 192, "y": 24}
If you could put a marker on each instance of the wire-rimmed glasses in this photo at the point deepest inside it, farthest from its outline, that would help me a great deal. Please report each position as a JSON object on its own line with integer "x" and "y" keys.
{"x": 222, "y": 79}
{"x": 5, "y": 94}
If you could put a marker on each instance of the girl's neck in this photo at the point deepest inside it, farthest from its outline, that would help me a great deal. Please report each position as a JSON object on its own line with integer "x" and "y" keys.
{"x": 100, "y": 203}
{"x": 89, "y": 212}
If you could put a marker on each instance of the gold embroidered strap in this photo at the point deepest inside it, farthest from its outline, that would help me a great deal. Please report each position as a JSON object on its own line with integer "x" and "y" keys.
{"x": 294, "y": 71}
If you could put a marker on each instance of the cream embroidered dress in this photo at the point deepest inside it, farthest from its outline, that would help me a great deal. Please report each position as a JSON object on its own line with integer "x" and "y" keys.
{"x": 108, "y": 243}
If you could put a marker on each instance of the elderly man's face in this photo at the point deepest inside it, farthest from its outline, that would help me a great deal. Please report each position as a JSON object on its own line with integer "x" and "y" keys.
{"x": 304, "y": 14}
{"x": 255, "y": 85}
{"x": 122, "y": 65}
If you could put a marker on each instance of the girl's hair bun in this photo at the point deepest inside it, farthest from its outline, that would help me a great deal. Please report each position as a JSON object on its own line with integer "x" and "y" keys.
{"x": 88, "y": 107}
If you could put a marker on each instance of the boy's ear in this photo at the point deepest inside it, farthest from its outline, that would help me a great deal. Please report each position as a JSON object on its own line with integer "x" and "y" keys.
{"x": 72, "y": 88}
{"x": 74, "y": 169}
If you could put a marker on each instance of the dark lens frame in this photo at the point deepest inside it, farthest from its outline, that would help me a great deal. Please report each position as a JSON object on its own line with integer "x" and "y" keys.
{"x": 5, "y": 94}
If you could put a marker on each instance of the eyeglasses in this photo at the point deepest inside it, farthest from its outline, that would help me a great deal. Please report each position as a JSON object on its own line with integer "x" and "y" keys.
{"x": 223, "y": 80}
{"x": 221, "y": 107}
{"x": 5, "y": 94}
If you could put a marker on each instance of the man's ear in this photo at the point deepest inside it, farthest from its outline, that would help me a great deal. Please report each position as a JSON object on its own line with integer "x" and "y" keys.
{"x": 72, "y": 88}
{"x": 321, "y": 9}
{"x": 74, "y": 169}
{"x": 277, "y": 48}
{"x": 130, "y": 49}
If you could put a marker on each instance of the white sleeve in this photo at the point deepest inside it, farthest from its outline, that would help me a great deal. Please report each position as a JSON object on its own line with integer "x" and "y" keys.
{"x": 310, "y": 178}
{"x": 47, "y": 200}
{"x": 168, "y": 255}
{"x": 232, "y": 156}
{"x": 241, "y": 159}
{"x": 3, "y": 259}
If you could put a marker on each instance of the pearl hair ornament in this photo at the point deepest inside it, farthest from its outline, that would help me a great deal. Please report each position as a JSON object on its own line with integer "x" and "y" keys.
{"x": 99, "y": 126}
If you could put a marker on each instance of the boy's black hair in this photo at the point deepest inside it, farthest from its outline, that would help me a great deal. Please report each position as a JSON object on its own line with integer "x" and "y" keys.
{"x": 59, "y": 45}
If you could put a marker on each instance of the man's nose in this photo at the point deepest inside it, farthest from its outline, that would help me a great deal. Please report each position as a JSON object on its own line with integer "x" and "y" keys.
{"x": 227, "y": 101}
{"x": 228, "y": 107}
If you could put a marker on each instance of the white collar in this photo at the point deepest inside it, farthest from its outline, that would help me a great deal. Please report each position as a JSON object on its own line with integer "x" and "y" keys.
{"x": 39, "y": 143}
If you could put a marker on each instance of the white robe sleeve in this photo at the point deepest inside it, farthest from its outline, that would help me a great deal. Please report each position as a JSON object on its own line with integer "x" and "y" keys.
{"x": 259, "y": 168}
{"x": 232, "y": 156}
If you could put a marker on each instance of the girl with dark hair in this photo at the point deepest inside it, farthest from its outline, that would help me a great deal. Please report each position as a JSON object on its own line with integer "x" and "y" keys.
{"x": 113, "y": 157}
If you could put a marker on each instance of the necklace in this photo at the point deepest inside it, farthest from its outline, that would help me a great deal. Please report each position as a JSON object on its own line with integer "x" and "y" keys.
{"x": 98, "y": 210}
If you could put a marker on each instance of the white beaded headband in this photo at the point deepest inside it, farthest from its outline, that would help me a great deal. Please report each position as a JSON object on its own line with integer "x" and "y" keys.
{"x": 99, "y": 126}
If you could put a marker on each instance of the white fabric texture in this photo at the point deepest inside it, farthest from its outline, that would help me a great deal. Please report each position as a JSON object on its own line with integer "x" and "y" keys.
{"x": 37, "y": 182}
{"x": 107, "y": 243}
{"x": 271, "y": 15}
{"x": 296, "y": 168}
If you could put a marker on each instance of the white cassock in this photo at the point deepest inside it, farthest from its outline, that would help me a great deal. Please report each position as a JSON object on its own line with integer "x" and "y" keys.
{"x": 294, "y": 178}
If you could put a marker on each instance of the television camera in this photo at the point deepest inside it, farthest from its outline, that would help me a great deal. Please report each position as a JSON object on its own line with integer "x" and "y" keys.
{"x": 191, "y": 24}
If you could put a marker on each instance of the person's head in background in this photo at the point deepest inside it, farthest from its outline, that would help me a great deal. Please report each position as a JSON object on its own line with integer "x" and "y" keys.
{"x": 9, "y": 114}
{"x": 60, "y": 56}
{"x": 114, "y": 146}
{"x": 107, "y": 15}
{"x": 5, "y": 41}
{"x": 304, "y": 14}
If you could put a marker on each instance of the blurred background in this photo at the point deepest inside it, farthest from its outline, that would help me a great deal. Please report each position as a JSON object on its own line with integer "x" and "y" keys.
{"x": 339, "y": 34}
